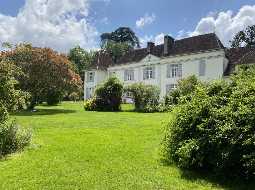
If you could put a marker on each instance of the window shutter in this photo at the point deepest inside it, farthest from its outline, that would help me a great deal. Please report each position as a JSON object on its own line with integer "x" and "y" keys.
{"x": 168, "y": 71}
{"x": 153, "y": 72}
{"x": 202, "y": 68}
{"x": 133, "y": 75}
{"x": 87, "y": 77}
{"x": 125, "y": 75}
{"x": 179, "y": 70}
{"x": 167, "y": 88}
{"x": 171, "y": 68}
{"x": 144, "y": 73}
{"x": 93, "y": 76}
{"x": 87, "y": 93}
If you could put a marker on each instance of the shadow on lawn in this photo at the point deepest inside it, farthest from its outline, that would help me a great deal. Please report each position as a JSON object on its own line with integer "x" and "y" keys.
{"x": 224, "y": 182}
{"x": 44, "y": 112}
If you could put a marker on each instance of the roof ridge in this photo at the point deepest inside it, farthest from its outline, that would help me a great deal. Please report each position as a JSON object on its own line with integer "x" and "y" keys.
{"x": 192, "y": 44}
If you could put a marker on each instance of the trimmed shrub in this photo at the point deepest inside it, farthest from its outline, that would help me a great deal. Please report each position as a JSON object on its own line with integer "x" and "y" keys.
{"x": 214, "y": 130}
{"x": 146, "y": 97}
{"x": 107, "y": 97}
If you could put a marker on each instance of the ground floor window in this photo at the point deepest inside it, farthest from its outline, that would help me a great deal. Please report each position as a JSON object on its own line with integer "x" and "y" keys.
{"x": 170, "y": 87}
{"x": 89, "y": 92}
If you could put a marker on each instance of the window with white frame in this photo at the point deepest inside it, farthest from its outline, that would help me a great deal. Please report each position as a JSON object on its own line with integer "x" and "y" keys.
{"x": 170, "y": 87}
{"x": 129, "y": 75}
{"x": 89, "y": 92}
{"x": 174, "y": 71}
{"x": 202, "y": 67}
{"x": 90, "y": 76}
{"x": 149, "y": 73}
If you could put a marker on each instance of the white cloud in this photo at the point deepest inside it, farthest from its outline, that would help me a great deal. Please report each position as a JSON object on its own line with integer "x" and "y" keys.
{"x": 226, "y": 24}
{"x": 181, "y": 34}
{"x": 158, "y": 39}
{"x": 143, "y": 40}
{"x": 50, "y": 23}
{"x": 145, "y": 20}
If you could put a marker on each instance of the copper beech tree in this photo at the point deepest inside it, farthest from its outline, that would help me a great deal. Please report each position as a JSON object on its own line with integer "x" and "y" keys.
{"x": 47, "y": 74}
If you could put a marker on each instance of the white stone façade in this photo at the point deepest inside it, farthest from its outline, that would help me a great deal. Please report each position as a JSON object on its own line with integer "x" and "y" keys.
{"x": 162, "y": 72}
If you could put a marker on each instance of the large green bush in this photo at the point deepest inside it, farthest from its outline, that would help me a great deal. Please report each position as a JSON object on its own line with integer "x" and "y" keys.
{"x": 185, "y": 87}
{"x": 215, "y": 129}
{"x": 146, "y": 97}
{"x": 107, "y": 97}
{"x": 12, "y": 137}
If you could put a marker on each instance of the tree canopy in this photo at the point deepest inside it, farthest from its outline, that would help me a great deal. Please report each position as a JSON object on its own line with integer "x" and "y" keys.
{"x": 46, "y": 72}
{"x": 81, "y": 59}
{"x": 116, "y": 49}
{"x": 121, "y": 35}
{"x": 11, "y": 98}
{"x": 12, "y": 137}
{"x": 244, "y": 38}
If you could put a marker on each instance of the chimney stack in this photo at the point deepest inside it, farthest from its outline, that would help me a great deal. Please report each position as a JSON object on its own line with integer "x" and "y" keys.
{"x": 168, "y": 44}
{"x": 150, "y": 46}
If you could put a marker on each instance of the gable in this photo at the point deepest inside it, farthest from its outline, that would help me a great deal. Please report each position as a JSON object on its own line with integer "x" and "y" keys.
{"x": 150, "y": 58}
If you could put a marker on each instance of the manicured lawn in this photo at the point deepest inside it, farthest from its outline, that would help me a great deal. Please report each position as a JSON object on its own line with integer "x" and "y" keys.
{"x": 74, "y": 149}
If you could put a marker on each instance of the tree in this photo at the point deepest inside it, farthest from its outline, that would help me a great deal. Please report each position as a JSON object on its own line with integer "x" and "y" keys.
{"x": 11, "y": 98}
{"x": 116, "y": 49}
{"x": 121, "y": 35}
{"x": 12, "y": 138}
{"x": 46, "y": 72}
{"x": 81, "y": 59}
{"x": 245, "y": 38}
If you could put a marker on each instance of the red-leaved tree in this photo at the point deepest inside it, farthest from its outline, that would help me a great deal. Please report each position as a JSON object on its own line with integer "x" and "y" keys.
{"x": 48, "y": 75}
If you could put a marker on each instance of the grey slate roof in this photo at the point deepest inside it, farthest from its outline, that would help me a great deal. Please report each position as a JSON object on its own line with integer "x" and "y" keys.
{"x": 205, "y": 42}
{"x": 238, "y": 56}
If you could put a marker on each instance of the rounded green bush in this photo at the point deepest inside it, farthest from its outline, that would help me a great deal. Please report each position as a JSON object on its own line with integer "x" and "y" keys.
{"x": 215, "y": 129}
{"x": 107, "y": 97}
{"x": 146, "y": 97}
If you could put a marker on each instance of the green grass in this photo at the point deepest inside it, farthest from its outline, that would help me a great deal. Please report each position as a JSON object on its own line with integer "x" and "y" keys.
{"x": 74, "y": 149}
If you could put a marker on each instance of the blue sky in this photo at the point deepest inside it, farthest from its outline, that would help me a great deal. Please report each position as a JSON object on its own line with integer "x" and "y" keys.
{"x": 149, "y": 19}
